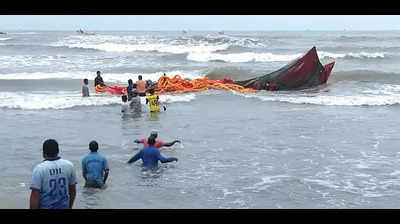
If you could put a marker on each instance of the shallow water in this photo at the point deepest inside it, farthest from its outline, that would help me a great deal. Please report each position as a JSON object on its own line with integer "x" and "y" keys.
{"x": 335, "y": 146}
{"x": 236, "y": 153}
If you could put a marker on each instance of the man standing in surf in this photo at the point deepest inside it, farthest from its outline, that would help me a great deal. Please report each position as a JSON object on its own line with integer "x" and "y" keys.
{"x": 141, "y": 86}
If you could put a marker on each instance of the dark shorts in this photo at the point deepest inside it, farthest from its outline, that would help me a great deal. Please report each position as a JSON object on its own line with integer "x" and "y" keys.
{"x": 94, "y": 184}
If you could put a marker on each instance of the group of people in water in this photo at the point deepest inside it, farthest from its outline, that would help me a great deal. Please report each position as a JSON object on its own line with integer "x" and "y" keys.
{"x": 54, "y": 179}
{"x": 131, "y": 101}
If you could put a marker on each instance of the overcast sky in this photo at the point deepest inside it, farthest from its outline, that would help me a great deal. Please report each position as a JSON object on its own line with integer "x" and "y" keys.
{"x": 199, "y": 22}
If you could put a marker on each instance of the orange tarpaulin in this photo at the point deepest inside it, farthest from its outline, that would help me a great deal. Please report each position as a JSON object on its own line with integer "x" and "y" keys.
{"x": 177, "y": 84}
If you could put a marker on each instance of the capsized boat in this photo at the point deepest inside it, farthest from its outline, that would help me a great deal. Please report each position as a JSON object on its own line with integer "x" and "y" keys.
{"x": 304, "y": 72}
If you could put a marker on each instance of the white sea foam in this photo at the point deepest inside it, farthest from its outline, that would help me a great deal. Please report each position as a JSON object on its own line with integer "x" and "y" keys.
{"x": 325, "y": 183}
{"x": 241, "y": 57}
{"x": 39, "y": 100}
{"x": 350, "y": 97}
{"x": 23, "y": 33}
{"x": 159, "y": 47}
{"x": 323, "y": 54}
{"x": 107, "y": 77}
{"x": 5, "y": 38}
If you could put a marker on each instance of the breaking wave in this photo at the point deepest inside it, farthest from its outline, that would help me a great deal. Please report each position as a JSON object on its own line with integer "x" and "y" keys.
{"x": 108, "y": 77}
{"x": 39, "y": 100}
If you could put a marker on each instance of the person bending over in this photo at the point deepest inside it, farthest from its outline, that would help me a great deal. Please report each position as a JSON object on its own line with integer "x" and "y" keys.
{"x": 150, "y": 156}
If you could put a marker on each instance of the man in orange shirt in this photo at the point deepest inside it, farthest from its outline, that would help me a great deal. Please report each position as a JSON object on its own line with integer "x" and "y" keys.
{"x": 141, "y": 86}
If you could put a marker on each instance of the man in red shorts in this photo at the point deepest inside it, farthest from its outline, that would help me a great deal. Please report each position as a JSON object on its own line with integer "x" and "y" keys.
{"x": 158, "y": 143}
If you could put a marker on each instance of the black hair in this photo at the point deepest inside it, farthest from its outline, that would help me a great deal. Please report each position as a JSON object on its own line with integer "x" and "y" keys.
{"x": 151, "y": 91}
{"x": 98, "y": 72}
{"x": 86, "y": 81}
{"x": 93, "y": 146}
{"x": 130, "y": 81}
{"x": 151, "y": 140}
{"x": 50, "y": 148}
{"x": 124, "y": 98}
{"x": 140, "y": 77}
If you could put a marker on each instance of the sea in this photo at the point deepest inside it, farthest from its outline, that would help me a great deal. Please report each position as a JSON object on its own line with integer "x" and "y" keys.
{"x": 332, "y": 146}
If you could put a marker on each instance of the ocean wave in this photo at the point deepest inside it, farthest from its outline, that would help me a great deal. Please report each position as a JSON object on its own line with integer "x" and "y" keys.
{"x": 164, "y": 48}
{"x": 23, "y": 33}
{"x": 323, "y": 54}
{"x": 241, "y": 57}
{"x": 343, "y": 94}
{"x": 5, "y": 38}
{"x": 107, "y": 77}
{"x": 60, "y": 100}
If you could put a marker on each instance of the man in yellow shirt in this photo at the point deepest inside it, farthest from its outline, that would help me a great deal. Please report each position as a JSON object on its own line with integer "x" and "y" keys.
{"x": 152, "y": 99}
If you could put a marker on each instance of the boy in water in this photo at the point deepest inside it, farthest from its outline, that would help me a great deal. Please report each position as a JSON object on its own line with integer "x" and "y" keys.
{"x": 85, "y": 88}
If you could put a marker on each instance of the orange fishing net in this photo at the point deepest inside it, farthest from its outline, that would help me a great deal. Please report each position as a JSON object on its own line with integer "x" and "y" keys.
{"x": 177, "y": 84}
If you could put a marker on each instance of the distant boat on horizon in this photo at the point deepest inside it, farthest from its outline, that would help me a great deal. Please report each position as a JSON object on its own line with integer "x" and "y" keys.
{"x": 80, "y": 31}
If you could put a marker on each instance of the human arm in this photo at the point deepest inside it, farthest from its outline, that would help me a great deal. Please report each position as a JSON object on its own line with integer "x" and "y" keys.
{"x": 84, "y": 170}
{"x": 165, "y": 160}
{"x": 72, "y": 186}
{"x": 169, "y": 144}
{"x": 106, "y": 170}
{"x": 135, "y": 157}
{"x": 36, "y": 185}
{"x": 34, "y": 200}
{"x": 72, "y": 194}
{"x": 139, "y": 141}
{"x": 147, "y": 101}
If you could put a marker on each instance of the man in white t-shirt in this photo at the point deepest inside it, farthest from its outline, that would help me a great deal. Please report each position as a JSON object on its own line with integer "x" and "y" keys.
{"x": 53, "y": 180}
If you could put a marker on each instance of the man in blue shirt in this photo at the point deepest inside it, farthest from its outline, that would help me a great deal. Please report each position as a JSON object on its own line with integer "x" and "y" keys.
{"x": 150, "y": 155}
{"x": 53, "y": 180}
{"x": 94, "y": 167}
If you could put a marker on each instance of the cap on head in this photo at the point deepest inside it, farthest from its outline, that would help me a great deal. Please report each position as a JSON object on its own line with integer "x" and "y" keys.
{"x": 93, "y": 146}
{"x": 50, "y": 148}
